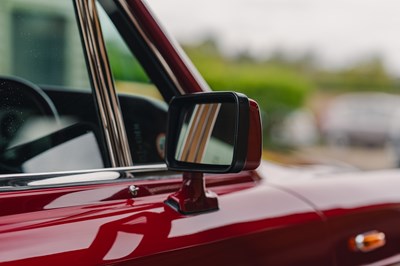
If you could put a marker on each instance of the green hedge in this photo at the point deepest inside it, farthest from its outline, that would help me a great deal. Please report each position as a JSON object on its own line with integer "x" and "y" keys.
{"x": 277, "y": 90}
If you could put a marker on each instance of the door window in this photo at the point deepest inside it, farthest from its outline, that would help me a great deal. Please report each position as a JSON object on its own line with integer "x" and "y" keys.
{"x": 48, "y": 119}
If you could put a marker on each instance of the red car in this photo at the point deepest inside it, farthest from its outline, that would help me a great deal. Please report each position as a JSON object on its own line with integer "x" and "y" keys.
{"x": 95, "y": 98}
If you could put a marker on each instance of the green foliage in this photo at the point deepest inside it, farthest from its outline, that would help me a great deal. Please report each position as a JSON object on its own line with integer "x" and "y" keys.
{"x": 269, "y": 85}
{"x": 278, "y": 90}
{"x": 367, "y": 75}
{"x": 279, "y": 84}
{"x": 124, "y": 66}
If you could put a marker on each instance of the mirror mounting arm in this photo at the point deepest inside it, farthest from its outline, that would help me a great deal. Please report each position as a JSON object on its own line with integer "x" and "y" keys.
{"x": 193, "y": 197}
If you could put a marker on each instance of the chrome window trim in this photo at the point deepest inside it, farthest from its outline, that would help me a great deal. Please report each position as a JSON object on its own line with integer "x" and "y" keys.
{"x": 129, "y": 169}
{"x": 104, "y": 90}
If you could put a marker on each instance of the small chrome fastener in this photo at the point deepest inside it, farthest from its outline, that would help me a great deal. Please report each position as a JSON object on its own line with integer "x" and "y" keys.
{"x": 133, "y": 190}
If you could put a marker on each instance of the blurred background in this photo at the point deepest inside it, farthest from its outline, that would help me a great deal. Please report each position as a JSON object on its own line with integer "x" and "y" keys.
{"x": 325, "y": 73}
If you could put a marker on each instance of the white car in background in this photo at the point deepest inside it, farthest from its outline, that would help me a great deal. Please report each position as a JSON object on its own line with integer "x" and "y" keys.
{"x": 299, "y": 129}
{"x": 360, "y": 119}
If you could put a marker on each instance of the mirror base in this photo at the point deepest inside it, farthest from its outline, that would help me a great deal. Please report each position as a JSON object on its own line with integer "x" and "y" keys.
{"x": 193, "y": 196}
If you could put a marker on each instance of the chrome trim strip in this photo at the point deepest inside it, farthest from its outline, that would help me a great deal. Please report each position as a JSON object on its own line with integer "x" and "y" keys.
{"x": 110, "y": 114}
{"x": 130, "y": 169}
{"x": 165, "y": 65}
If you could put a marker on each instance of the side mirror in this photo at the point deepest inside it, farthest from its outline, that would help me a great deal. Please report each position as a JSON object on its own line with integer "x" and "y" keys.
{"x": 217, "y": 132}
{"x": 210, "y": 132}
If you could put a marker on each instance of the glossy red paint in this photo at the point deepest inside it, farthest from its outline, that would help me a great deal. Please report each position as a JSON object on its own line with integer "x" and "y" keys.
{"x": 193, "y": 197}
{"x": 27, "y": 201}
{"x": 89, "y": 225}
{"x": 352, "y": 204}
{"x": 254, "y": 145}
{"x": 187, "y": 76}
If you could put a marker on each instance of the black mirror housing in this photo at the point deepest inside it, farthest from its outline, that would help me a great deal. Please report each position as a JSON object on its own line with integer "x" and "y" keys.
{"x": 209, "y": 132}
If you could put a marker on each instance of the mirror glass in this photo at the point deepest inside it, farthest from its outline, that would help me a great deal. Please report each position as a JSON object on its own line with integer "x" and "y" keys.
{"x": 207, "y": 134}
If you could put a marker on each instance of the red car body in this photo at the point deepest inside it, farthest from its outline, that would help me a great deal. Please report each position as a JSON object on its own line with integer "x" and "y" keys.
{"x": 274, "y": 215}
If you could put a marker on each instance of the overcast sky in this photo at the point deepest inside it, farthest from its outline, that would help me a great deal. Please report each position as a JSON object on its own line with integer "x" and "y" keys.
{"x": 339, "y": 31}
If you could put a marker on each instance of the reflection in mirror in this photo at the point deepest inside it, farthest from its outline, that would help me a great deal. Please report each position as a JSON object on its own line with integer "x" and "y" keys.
{"x": 207, "y": 134}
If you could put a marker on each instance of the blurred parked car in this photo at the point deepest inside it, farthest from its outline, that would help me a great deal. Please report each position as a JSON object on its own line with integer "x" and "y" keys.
{"x": 360, "y": 119}
{"x": 394, "y": 138}
{"x": 299, "y": 129}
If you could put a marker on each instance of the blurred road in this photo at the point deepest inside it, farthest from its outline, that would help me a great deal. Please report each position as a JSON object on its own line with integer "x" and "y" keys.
{"x": 360, "y": 157}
